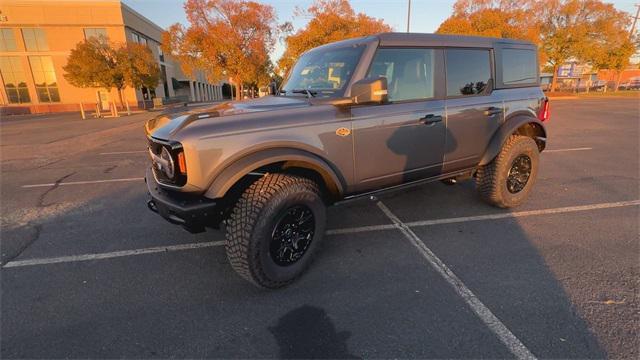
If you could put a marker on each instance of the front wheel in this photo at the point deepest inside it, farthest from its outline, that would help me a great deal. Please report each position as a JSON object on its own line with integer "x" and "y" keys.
{"x": 508, "y": 179}
{"x": 275, "y": 229}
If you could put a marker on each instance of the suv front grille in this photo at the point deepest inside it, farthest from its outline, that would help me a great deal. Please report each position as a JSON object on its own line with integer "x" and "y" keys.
{"x": 156, "y": 148}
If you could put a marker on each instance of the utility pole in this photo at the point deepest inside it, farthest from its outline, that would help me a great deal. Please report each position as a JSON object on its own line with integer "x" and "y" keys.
{"x": 635, "y": 20}
{"x": 409, "y": 15}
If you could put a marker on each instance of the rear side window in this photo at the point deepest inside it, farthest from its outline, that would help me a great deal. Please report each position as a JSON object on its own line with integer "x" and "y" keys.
{"x": 468, "y": 71}
{"x": 409, "y": 72}
{"x": 519, "y": 66}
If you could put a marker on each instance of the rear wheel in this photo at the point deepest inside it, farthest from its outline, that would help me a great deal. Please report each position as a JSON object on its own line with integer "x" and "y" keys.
{"x": 508, "y": 179}
{"x": 275, "y": 228}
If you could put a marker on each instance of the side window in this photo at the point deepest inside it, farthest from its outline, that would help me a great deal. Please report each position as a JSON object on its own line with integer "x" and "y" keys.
{"x": 409, "y": 72}
{"x": 468, "y": 71}
{"x": 518, "y": 66}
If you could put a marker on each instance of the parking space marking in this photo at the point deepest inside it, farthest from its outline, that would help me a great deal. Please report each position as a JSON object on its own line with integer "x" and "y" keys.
{"x": 565, "y": 150}
{"x": 514, "y": 345}
{"x": 98, "y": 256}
{"x": 83, "y": 182}
{"x": 123, "y": 152}
{"x": 109, "y": 255}
{"x": 550, "y": 211}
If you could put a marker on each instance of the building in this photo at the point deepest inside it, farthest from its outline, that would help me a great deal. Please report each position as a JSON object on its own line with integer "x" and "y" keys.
{"x": 36, "y": 37}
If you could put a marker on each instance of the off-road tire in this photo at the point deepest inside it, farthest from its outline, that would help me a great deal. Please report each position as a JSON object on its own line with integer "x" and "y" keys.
{"x": 252, "y": 222}
{"x": 491, "y": 179}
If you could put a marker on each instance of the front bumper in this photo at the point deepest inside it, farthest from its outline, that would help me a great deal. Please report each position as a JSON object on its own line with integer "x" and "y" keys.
{"x": 194, "y": 213}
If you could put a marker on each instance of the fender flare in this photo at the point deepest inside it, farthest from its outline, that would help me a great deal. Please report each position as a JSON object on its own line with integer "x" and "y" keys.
{"x": 230, "y": 175}
{"x": 510, "y": 127}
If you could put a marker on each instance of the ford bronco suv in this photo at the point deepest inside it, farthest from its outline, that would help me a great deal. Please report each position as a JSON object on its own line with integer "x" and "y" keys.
{"x": 352, "y": 118}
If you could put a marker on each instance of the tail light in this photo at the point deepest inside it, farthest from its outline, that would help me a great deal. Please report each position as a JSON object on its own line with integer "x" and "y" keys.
{"x": 544, "y": 114}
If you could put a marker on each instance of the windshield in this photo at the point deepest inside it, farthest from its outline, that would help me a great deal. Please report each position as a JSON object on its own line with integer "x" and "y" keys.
{"x": 323, "y": 72}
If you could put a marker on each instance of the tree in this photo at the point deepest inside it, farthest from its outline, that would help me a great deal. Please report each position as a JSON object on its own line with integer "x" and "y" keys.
{"x": 97, "y": 63}
{"x": 138, "y": 66}
{"x": 331, "y": 20}
{"x": 225, "y": 38}
{"x": 93, "y": 64}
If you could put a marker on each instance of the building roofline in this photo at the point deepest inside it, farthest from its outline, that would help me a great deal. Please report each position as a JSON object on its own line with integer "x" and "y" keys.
{"x": 140, "y": 16}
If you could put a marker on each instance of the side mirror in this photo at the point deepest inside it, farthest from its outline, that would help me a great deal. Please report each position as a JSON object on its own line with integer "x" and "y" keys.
{"x": 370, "y": 91}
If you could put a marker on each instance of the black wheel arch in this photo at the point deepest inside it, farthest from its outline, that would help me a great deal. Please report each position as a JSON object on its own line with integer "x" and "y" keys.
{"x": 526, "y": 125}
{"x": 290, "y": 160}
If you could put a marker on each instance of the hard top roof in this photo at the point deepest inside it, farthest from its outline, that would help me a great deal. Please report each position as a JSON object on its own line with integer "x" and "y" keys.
{"x": 418, "y": 39}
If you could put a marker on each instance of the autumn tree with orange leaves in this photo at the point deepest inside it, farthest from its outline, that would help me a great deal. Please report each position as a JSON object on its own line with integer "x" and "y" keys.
{"x": 225, "y": 38}
{"x": 331, "y": 20}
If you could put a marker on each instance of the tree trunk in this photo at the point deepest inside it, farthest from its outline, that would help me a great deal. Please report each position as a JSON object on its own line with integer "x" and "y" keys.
{"x": 618, "y": 79}
{"x": 120, "y": 96}
{"x": 554, "y": 79}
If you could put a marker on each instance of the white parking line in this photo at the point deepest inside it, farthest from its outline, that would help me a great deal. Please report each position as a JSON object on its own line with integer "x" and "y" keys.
{"x": 565, "y": 150}
{"x": 98, "y": 256}
{"x": 109, "y": 255}
{"x": 518, "y": 214}
{"x": 124, "y": 152}
{"x": 83, "y": 182}
{"x": 514, "y": 345}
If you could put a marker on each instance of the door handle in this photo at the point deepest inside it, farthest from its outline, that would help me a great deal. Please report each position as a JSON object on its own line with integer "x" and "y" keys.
{"x": 431, "y": 119}
{"x": 492, "y": 111}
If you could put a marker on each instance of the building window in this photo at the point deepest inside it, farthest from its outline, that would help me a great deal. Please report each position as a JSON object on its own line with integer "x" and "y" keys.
{"x": 7, "y": 40}
{"x": 35, "y": 39}
{"x": 44, "y": 77}
{"x": 95, "y": 32}
{"x": 160, "y": 54}
{"x": 15, "y": 80}
{"x": 138, "y": 38}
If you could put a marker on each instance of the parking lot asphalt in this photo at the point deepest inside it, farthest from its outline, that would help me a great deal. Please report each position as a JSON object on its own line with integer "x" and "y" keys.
{"x": 89, "y": 272}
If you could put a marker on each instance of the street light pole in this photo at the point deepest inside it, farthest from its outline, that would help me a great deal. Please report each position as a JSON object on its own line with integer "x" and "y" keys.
{"x": 635, "y": 20}
{"x": 408, "y": 15}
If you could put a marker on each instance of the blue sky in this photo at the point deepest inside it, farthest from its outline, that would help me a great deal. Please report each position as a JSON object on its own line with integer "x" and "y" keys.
{"x": 426, "y": 15}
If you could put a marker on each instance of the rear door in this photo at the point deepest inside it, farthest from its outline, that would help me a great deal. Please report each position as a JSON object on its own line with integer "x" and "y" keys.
{"x": 402, "y": 140}
{"x": 474, "y": 111}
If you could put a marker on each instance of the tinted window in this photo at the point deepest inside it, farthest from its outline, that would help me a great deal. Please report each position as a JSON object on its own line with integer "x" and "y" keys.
{"x": 468, "y": 71}
{"x": 409, "y": 72}
{"x": 518, "y": 66}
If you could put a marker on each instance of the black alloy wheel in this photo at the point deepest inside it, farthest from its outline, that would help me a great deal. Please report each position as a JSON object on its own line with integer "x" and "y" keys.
{"x": 519, "y": 174}
{"x": 292, "y": 235}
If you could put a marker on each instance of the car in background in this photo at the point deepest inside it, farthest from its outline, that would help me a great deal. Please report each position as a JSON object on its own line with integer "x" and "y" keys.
{"x": 632, "y": 84}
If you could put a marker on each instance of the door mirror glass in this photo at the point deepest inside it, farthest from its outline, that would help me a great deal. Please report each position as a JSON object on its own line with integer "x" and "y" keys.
{"x": 369, "y": 91}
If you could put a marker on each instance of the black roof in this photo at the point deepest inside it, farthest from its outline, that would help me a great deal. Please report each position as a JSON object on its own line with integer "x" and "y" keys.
{"x": 437, "y": 40}
{"x": 416, "y": 39}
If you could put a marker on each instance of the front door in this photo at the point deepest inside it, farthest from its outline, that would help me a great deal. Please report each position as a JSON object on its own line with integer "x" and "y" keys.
{"x": 403, "y": 140}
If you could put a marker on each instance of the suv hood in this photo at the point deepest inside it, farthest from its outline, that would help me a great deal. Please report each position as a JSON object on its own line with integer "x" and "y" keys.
{"x": 163, "y": 126}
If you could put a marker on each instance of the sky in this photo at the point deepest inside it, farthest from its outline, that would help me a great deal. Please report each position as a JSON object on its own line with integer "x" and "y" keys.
{"x": 426, "y": 15}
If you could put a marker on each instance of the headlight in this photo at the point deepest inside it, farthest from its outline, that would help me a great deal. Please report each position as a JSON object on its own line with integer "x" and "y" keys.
{"x": 168, "y": 166}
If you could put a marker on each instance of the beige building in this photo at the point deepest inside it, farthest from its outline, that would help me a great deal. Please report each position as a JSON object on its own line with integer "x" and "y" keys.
{"x": 36, "y": 37}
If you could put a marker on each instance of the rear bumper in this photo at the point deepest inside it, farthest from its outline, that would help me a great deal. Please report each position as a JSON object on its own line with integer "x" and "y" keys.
{"x": 193, "y": 213}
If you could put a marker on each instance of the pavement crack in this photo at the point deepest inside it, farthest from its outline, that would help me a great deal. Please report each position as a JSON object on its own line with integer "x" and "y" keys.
{"x": 109, "y": 169}
{"x": 55, "y": 185}
{"x": 27, "y": 244}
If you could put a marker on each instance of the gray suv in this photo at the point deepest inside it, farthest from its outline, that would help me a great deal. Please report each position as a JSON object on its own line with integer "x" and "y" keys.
{"x": 353, "y": 118}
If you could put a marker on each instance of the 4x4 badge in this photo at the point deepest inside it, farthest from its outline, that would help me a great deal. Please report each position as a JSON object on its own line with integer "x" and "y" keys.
{"x": 343, "y": 131}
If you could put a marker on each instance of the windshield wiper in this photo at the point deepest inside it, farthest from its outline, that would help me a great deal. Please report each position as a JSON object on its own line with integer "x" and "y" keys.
{"x": 309, "y": 93}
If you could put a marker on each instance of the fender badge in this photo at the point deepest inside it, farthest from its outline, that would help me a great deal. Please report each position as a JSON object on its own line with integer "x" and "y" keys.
{"x": 343, "y": 131}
